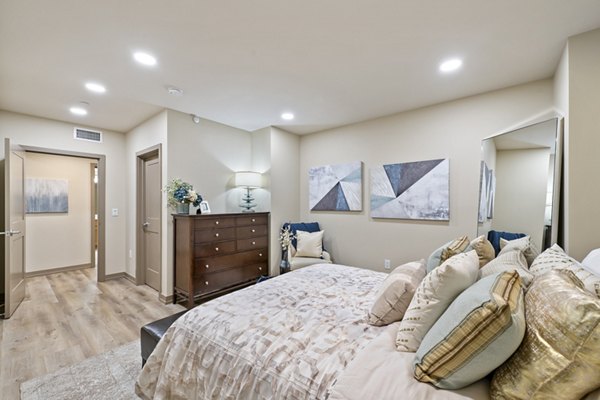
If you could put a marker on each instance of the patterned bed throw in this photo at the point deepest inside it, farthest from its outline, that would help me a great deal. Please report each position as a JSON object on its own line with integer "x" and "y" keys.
{"x": 286, "y": 338}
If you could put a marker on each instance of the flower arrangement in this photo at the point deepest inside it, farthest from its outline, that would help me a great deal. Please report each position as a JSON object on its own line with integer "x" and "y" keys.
{"x": 286, "y": 236}
{"x": 180, "y": 192}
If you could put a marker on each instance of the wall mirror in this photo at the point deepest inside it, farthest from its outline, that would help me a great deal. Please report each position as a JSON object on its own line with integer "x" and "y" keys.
{"x": 520, "y": 182}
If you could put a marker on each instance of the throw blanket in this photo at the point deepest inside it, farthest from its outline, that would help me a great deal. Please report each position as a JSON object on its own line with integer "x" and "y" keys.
{"x": 285, "y": 338}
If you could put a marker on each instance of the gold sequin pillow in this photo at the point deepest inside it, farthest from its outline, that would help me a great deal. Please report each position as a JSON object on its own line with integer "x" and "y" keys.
{"x": 560, "y": 355}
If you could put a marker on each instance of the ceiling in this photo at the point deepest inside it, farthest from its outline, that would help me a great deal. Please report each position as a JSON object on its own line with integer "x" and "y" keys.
{"x": 243, "y": 63}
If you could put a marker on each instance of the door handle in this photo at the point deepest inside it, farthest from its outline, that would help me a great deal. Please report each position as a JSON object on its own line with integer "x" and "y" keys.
{"x": 10, "y": 233}
{"x": 145, "y": 224}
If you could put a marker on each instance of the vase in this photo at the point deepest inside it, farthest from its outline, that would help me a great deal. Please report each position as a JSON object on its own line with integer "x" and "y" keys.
{"x": 183, "y": 208}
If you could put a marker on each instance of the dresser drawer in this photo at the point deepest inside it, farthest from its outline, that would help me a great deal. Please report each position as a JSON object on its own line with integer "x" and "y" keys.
{"x": 244, "y": 232}
{"x": 214, "y": 249}
{"x": 204, "y": 265}
{"x": 252, "y": 220}
{"x": 210, "y": 282}
{"x": 213, "y": 235}
{"x": 216, "y": 222}
{"x": 252, "y": 243}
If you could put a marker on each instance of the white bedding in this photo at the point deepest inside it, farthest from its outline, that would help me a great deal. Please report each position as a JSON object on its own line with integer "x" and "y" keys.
{"x": 303, "y": 335}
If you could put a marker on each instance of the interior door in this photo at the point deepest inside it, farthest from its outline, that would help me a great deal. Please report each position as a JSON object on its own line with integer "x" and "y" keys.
{"x": 151, "y": 222}
{"x": 14, "y": 227}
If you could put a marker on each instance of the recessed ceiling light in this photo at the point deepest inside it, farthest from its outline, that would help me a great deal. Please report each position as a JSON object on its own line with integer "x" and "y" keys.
{"x": 78, "y": 110}
{"x": 451, "y": 65}
{"x": 95, "y": 87}
{"x": 287, "y": 116}
{"x": 144, "y": 58}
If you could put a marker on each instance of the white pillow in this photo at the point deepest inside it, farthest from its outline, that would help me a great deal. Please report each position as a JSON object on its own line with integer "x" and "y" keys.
{"x": 523, "y": 244}
{"x": 435, "y": 293}
{"x": 592, "y": 261}
{"x": 310, "y": 244}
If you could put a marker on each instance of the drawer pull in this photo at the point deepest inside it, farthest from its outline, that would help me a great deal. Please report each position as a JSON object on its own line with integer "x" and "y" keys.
{"x": 216, "y": 235}
{"x": 206, "y": 266}
{"x": 260, "y": 268}
{"x": 253, "y": 220}
{"x": 216, "y": 222}
{"x": 253, "y": 230}
{"x": 253, "y": 243}
{"x": 216, "y": 249}
{"x": 260, "y": 254}
{"x": 206, "y": 283}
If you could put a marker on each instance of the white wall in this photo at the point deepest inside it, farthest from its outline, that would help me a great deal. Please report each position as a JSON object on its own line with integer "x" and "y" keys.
{"x": 56, "y": 240}
{"x": 149, "y": 133}
{"x": 40, "y": 132}
{"x": 451, "y": 130}
{"x": 521, "y": 185}
{"x": 583, "y": 143}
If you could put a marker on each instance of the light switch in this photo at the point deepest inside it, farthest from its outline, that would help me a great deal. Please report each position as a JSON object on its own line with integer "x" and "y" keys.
{"x": 115, "y": 212}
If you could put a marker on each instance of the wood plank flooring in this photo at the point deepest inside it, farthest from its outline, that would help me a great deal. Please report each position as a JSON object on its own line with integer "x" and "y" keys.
{"x": 68, "y": 317}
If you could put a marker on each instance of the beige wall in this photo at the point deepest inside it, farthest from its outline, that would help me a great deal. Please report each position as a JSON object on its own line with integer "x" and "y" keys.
{"x": 521, "y": 185}
{"x": 561, "y": 102}
{"x": 62, "y": 239}
{"x": 51, "y": 134}
{"x": 451, "y": 130}
{"x": 150, "y": 133}
{"x": 583, "y": 138}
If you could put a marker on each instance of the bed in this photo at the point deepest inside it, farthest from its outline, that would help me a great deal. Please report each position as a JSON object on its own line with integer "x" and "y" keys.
{"x": 302, "y": 335}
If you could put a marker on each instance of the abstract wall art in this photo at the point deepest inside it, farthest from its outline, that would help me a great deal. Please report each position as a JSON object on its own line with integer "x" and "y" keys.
{"x": 335, "y": 187}
{"x": 412, "y": 190}
{"x": 46, "y": 195}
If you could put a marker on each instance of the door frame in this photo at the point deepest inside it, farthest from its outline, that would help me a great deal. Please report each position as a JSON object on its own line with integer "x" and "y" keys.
{"x": 140, "y": 157}
{"x": 94, "y": 200}
{"x": 101, "y": 159}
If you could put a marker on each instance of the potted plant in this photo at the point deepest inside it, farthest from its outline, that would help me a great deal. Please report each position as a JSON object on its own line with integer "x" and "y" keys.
{"x": 180, "y": 195}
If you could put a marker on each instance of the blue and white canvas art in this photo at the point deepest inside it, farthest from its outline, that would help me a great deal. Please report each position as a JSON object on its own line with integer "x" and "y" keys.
{"x": 412, "y": 190}
{"x": 335, "y": 187}
{"x": 46, "y": 195}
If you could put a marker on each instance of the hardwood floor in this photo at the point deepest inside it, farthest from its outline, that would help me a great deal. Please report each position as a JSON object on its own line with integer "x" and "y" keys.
{"x": 68, "y": 317}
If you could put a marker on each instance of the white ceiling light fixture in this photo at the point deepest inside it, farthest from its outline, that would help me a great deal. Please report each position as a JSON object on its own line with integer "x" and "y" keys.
{"x": 144, "y": 58}
{"x": 288, "y": 116}
{"x": 451, "y": 65}
{"x": 174, "y": 91}
{"x": 95, "y": 87}
{"x": 77, "y": 110}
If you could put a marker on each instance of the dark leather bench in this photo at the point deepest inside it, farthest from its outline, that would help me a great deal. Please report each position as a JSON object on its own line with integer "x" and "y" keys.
{"x": 151, "y": 334}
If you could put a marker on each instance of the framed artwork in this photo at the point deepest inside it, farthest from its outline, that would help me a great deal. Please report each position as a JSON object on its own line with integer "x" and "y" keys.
{"x": 413, "y": 190}
{"x": 335, "y": 187}
{"x": 204, "y": 208}
{"x": 46, "y": 196}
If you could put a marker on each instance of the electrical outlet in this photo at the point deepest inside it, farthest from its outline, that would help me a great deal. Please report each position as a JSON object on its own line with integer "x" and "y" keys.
{"x": 386, "y": 264}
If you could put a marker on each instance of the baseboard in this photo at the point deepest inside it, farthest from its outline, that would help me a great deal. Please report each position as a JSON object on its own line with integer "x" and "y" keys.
{"x": 56, "y": 270}
{"x": 130, "y": 278}
{"x": 166, "y": 299}
{"x": 119, "y": 275}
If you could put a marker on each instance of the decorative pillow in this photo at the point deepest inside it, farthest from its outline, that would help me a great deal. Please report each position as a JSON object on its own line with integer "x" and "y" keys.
{"x": 455, "y": 247}
{"x": 506, "y": 261}
{"x": 485, "y": 250}
{"x": 592, "y": 261}
{"x": 524, "y": 244}
{"x": 448, "y": 250}
{"x": 435, "y": 293}
{"x": 477, "y": 333}
{"x": 495, "y": 236}
{"x": 310, "y": 244}
{"x": 560, "y": 355}
{"x": 556, "y": 258}
{"x": 395, "y": 293}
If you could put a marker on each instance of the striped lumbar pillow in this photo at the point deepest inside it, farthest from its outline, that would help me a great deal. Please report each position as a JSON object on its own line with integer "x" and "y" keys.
{"x": 476, "y": 334}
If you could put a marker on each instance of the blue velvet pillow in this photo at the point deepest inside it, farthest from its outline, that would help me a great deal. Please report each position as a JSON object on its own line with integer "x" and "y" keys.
{"x": 302, "y": 226}
{"x": 495, "y": 236}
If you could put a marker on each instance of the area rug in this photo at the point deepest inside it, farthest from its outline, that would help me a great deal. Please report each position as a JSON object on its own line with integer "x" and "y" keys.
{"x": 110, "y": 376}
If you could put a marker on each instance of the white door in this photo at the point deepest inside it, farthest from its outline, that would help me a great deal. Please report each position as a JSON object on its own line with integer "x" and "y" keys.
{"x": 14, "y": 227}
{"x": 151, "y": 225}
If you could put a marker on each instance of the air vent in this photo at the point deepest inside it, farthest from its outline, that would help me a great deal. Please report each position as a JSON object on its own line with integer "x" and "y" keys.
{"x": 86, "y": 134}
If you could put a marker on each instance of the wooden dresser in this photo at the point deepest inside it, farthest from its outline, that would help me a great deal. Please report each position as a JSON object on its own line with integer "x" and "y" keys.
{"x": 216, "y": 253}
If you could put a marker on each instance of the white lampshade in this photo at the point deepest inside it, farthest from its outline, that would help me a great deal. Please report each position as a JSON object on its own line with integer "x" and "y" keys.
{"x": 248, "y": 179}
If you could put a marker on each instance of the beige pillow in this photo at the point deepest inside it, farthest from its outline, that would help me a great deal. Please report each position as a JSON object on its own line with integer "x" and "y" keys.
{"x": 395, "y": 293}
{"x": 455, "y": 247}
{"x": 435, "y": 293}
{"x": 560, "y": 354}
{"x": 556, "y": 258}
{"x": 485, "y": 250}
{"x": 506, "y": 261}
{"x": 310, "y": 244}
{"x": 524, "y": 244}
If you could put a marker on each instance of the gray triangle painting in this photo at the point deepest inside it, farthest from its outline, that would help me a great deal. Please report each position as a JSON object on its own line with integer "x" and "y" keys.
{"x": 336, "y": 187}
{"x": 413, "y": 190}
